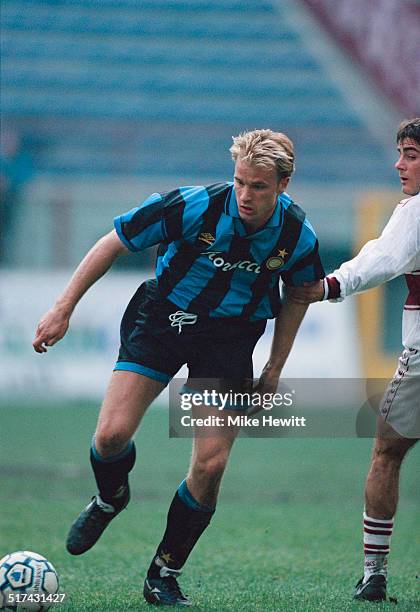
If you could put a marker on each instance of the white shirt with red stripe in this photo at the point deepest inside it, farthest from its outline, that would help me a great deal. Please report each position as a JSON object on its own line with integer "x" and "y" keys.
{"x": 395, "y": 252}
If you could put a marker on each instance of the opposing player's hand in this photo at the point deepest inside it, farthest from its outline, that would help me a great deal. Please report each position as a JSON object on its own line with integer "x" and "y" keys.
{"x": 51, "y": 328}
{"x": 308, "y": 293}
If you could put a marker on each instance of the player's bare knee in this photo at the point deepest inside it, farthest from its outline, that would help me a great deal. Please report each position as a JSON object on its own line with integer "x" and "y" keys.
{"x": 388, "y": 451}
{"x": 110, "y": 441}
{"x": 210, "y": 468}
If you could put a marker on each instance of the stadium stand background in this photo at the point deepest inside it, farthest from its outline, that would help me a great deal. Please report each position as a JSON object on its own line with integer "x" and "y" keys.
{"x": 114, "y": 99}
{"x": 113, "y": 92}
{"x": 363, "y": 29}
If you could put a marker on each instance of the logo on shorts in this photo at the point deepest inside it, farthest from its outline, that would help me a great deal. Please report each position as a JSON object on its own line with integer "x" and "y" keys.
{"x": 207, "y": 238}
{"x": 273, "y": 263}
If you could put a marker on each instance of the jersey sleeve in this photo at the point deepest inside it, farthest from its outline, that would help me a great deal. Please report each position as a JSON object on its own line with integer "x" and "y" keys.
{"x": 307, "y": 266}
{"x": 391, "y": 254}
{"x": 158, "y": 219}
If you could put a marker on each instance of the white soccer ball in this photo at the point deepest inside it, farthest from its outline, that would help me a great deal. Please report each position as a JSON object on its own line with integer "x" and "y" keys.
{"x": 27, "y": 582}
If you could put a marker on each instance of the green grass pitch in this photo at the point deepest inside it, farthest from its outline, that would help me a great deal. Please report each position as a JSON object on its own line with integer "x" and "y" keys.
{"x": 286, "y": 535}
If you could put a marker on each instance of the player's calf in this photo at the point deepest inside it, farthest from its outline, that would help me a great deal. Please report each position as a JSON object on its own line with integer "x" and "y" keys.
{"x": 187, "y": 520}
{"x": 111, "y": 473}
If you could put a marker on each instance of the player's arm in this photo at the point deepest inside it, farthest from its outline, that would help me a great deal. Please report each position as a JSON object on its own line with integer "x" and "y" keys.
{"x": 286, "y": 327}
{"x": 324, "y": 289}
{"x": 307, "y": 268}
{"x": 54, "y": 324}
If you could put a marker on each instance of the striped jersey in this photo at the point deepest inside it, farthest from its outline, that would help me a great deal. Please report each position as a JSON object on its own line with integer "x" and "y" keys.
{"x": 208, "y": 264}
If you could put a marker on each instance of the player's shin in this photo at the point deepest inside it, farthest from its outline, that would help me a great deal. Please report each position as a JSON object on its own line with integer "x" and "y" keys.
{"x": 111, "y": 474}
{"x": 186, "y": 521}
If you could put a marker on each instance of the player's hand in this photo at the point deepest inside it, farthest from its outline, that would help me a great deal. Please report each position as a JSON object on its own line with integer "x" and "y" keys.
{"x": 308, "y": 293}
{"x": 51, "y": 328}
{"x": 267, "y": 383}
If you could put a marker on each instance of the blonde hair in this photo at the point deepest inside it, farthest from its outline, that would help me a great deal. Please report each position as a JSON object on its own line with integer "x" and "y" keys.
{"x": 265, "y": 148}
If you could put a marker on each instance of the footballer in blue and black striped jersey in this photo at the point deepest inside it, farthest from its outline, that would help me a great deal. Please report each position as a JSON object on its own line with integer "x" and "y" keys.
{"x": 223, "y": 252}
{"x": 207, "y": 262}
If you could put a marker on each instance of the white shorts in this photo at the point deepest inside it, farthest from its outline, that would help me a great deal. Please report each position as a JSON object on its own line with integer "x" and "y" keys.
{"x": 400, "y": 406}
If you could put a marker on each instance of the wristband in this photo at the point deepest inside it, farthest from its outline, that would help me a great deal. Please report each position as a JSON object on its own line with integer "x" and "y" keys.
{"x": 334, "y": 289}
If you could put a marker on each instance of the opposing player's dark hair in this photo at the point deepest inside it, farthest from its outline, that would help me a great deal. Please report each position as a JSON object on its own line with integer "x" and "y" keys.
{"x": 409, "y": 129}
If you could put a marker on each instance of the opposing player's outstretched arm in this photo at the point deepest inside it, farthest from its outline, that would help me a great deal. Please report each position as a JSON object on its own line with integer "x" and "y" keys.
{"x": 54, "y": 324}
{"x": 286, "y": 327}
{"x": 393, "y": 253}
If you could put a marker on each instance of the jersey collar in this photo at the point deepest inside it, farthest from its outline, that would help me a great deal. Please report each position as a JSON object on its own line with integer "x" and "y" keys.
{"x": 406, "y": 200}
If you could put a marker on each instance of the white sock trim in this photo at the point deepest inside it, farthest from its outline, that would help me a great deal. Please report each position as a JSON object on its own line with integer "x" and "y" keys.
{"x": 104, "y": 506}
{"x": 375, "y": 520}
{"x": 376, "y": 543}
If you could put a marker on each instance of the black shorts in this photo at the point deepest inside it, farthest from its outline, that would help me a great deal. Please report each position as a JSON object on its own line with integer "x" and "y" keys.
{"x": 158, "y": 338}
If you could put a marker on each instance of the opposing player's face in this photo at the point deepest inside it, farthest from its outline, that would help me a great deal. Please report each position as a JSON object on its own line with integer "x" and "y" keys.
{"x": 408, "y": 166}
{"x": 256, "y": 190}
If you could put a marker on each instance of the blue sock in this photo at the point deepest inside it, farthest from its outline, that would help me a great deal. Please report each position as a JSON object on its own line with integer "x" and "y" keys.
{"x": 185, "y": 495}
{"x": 126, "y": 451}
{"x": 187, "y": 520}
{"x": 111, "y": 474}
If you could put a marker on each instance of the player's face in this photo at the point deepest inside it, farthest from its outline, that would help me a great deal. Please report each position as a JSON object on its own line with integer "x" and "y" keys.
{"x": 408, "y": 166}
{"x": 256, "y": 190}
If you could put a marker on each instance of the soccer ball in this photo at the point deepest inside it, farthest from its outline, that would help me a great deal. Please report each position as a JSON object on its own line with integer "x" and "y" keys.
{"x": 27, "y": 582}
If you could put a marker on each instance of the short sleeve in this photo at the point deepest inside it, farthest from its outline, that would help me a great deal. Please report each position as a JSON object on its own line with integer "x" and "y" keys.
{"x": 158, "y": 219}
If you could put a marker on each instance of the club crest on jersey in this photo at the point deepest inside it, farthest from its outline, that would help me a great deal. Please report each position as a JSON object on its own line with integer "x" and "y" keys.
{"x": 207, "y": 238}
{"x": 276, "y": 262}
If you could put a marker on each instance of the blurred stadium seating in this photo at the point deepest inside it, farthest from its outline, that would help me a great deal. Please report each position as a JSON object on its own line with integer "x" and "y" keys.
{"x": 111, "y": 88}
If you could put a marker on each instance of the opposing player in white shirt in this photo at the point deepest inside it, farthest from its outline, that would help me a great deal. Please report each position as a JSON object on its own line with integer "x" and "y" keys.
{"x": 395, "y": 252}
